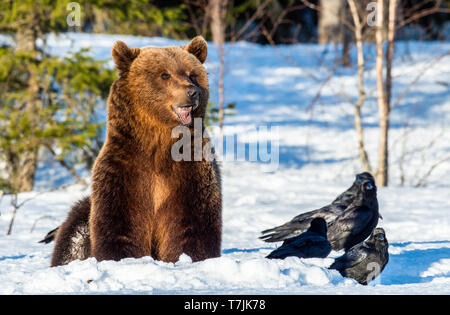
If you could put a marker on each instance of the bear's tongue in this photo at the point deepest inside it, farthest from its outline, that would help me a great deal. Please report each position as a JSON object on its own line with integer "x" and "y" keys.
{"x": 185, "y": 114}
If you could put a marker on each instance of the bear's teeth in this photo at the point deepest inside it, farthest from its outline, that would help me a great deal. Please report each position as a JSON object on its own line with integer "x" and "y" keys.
{"x": 187, "y": 108}
{"x": 184, "y": 109}
{"x": 186, "y": 117}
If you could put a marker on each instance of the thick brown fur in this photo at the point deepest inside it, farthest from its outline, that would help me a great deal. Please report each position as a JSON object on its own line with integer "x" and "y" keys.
{"x": 72, "y": 237}
{"x": 143, "y": 203}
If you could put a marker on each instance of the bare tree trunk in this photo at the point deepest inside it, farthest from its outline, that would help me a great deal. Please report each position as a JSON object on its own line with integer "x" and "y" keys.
{"x": 29, "y": 166}
{"x": 218, "y": 12}
{"x": 390, "y": 48}
{"x": 345, "y": 38}
{"x": 1, "y": 196}
{"x": 383, "y": 108}
{"x": 26, "y": 42}
{"x": 363, "y": 157}
{"x": 330, "y": 21}
{"x": 221, "y": 49}
{"x": 13, "y": 217}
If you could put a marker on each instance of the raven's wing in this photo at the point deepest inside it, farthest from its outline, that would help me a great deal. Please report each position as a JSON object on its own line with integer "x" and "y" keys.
{"x": 353, "y": 221}
{"x": 50, "y": 236}
{"x": 353, "y": 257}
{"x": 301, "y": 223}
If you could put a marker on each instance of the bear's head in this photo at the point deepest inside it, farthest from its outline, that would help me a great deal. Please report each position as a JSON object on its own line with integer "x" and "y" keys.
{"x": 165, "y": 85}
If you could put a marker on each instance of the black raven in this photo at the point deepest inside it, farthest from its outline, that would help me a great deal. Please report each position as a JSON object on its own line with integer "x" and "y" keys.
{"x": 365, "y": 261}
{"x": 330, "y": 213}
{"x": 357, "y": 221}
{"x": 312, "y": 243}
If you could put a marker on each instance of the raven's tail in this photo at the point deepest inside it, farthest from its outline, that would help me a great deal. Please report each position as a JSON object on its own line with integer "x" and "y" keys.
{"x": 281, "y": 233}
{"x": 284, "y": 251}
{"x": 275, "y": 236}
{"x": 287, "y": 230}
{"x": 50, "y": 237}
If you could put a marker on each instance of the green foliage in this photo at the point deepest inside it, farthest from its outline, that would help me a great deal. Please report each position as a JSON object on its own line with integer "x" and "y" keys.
{"x": 47, "y": 15}
{"x": 136, "y": 17}
{"x": 46, "y": 101}
{"x": 70, "y": 91}
{"x": 212, "y": 112}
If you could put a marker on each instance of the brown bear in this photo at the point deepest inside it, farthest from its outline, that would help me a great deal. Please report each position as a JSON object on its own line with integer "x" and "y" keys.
{"x": 143, "y": 202}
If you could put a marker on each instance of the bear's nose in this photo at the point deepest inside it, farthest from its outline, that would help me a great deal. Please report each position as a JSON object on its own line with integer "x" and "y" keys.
{"x": 193, "y": 92}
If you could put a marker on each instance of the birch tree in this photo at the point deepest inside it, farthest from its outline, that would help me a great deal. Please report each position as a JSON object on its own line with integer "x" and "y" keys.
{"x": 218, "y": 11}
{"x": 384, "y": 86}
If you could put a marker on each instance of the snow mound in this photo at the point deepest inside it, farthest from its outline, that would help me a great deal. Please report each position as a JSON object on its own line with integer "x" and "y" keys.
{"x": 150, "y": 276}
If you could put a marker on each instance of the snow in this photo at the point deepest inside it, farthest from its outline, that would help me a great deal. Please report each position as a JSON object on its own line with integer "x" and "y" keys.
{"x": 318, "y": 160}
{"x": 442, "y": 267}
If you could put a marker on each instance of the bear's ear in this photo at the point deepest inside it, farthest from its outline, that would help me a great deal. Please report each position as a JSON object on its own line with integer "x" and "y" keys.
{"x": 198, "y": 48}
{"x": 123, "y": 56}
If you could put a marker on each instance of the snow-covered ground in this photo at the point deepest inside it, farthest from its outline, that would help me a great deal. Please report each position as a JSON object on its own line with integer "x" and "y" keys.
{"x": 317, "y": 160}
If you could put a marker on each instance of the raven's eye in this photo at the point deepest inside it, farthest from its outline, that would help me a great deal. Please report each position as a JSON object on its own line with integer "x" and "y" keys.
{"x": 165, "y": 76}
{"x": 381, "y": 237}
{"x": 369, "y": 186}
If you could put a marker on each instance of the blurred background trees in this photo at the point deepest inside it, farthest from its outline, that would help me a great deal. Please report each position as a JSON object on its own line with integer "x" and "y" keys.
{"x": 287, "y": 21}
{"x": 49, "y": 103}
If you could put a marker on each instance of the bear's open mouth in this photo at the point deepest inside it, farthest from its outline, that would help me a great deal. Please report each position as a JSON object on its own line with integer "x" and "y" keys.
{"x": 184, "y": 112}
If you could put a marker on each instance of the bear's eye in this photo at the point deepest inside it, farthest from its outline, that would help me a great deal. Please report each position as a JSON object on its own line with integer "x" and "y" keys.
{"x": 193, "y": 77}
{"x": 165, "y": 76}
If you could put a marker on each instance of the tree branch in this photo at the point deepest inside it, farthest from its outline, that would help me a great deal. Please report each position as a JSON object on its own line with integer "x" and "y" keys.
{"x": 423, "y": 13}
{"x": 423, "y": 179}
{"x": 66, "y": 166}
{"x": 417, "y": 78}
{"x": 257, "y": 13}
